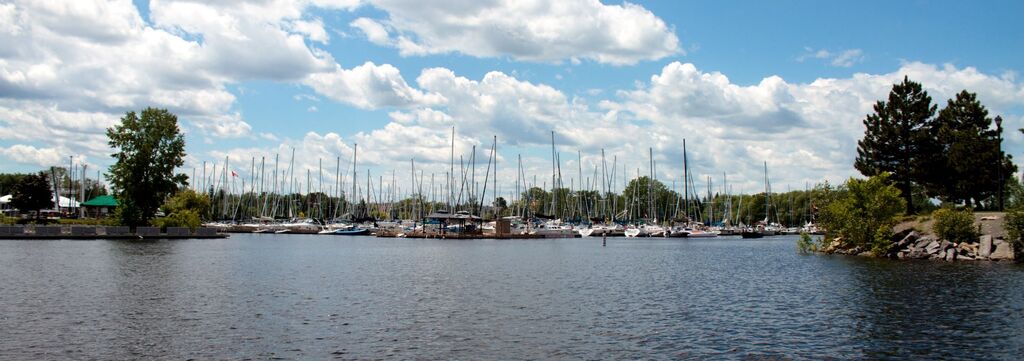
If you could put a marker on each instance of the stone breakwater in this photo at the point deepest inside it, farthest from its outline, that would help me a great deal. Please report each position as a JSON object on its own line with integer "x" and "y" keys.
{"x": 915, "y": 245}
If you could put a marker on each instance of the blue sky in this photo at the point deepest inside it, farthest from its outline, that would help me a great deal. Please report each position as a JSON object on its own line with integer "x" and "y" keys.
{"x": 743, "y": 81}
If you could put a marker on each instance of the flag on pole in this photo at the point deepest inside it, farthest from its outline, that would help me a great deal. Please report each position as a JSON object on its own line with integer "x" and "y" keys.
{"x": 233, "y": 174}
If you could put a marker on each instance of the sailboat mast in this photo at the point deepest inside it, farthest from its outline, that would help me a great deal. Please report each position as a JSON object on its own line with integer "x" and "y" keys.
{"x": 766, "y": 196}
{"x": 686, "y": 188}
{"x": 554, "y": 195}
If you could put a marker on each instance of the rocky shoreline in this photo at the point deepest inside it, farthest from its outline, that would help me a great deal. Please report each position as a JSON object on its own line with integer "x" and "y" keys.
{"x": 912, "y": 244}
{"x": 915, "y": 239}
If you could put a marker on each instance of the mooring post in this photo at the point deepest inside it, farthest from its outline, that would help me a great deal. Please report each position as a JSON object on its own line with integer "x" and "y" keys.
{"x": 604, "y": 239}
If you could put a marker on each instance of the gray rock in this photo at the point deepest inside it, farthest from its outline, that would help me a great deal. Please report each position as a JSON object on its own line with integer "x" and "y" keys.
{"x": 933, "y": 247}
{"x": 917, "y": 254}
{"x": 950, "y": 254}
{"x": 984, "y": 245}
{"x": 998, "y": 241}
{"x": 908, "y": 240}
{"x": 1004, "y": 251}
{"x": 923, "y": 242}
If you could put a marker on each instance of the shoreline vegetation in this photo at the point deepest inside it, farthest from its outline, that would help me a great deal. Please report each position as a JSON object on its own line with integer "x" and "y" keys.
{"x": 915, "y": 237}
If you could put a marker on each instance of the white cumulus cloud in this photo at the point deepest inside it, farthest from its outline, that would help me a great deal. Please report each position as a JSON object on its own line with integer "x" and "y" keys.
{"x": 538, "y": 31}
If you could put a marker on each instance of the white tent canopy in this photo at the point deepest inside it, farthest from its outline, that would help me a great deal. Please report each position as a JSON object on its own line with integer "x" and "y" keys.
{"x": 65, "y": 201}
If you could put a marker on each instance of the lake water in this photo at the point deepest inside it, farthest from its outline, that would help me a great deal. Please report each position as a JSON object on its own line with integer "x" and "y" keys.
{"x": 316, "y": 297}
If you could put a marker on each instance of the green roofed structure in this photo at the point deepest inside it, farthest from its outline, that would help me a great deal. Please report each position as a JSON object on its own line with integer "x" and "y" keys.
{"x": 101, "y": 205}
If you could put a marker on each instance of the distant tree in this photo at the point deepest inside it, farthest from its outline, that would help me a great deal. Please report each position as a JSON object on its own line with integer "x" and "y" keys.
{"x": 149, "y": 148}
{"x": 32, "y": 193}
{"x": 640, "y": 192}
{"x": 896, "y": 137}
{"x": 8, "y": 180}
{"x": 965, "y": 165}
{"x": 499, "y": 205}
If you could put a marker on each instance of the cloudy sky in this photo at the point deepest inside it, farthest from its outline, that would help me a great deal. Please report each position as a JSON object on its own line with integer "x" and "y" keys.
{"x": 744, "y": 82}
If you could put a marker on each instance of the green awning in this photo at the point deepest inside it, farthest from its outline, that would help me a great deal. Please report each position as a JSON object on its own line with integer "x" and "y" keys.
{"x": 101, "y": 201}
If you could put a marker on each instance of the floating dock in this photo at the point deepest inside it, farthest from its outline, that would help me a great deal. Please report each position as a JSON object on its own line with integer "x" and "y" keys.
{"x": 454, "y": 235}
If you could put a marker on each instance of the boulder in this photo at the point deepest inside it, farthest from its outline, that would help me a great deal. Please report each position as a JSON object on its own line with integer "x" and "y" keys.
{"x": 923, "y": 241}
{"x": 917, "y": 253}
{"x": 951, "y": 254}
{"x": 985, "y": 245}
{"x": 933, "y": 248}
{"x": 908, "y": 240}
{"x": 1004, "y": 251}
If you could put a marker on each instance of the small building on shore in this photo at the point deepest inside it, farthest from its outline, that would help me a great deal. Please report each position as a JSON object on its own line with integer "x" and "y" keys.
{"x": 100, "y": 206}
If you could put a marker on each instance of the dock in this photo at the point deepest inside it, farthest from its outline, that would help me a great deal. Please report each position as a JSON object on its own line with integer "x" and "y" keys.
{"x": 85, "y": 233}
{"x": 456, "y": 235}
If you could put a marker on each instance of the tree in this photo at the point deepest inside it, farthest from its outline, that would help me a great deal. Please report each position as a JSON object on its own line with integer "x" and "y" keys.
{"x": 896, "y": 137}
{"x": 149, "y": 148}
{"x": 8, "y": 180}
{"x": 966, "y": 164}
{"x": 184, "y": 209}
{"x": 32, "y": 193}
{"x": 863, "y": 215}
{"x": 639, "y": 201}
{"x": 499, "y": 206}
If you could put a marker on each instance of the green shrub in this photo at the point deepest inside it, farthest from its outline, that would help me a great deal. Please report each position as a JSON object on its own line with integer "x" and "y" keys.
{"x": 864, "y": 214}
{"x": 806, "y": 244}
{"x": 184, "y": 209}
{"x": 181, "y": 218}
{"x": 190, "y": 200}
{"x": 1014, "y": 225}
{"x": 955, "y": 226}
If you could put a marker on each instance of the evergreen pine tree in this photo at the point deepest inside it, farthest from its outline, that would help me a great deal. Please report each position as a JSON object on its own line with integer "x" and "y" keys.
{"x": 965, "y": 165}
{"x": 895, "y": 138}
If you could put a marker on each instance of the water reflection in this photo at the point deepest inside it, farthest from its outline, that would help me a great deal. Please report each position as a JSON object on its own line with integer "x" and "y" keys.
{"x": 294, "y": 296}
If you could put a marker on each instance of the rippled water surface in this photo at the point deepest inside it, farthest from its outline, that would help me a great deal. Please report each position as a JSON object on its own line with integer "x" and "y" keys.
{"x": 308, "y": 296}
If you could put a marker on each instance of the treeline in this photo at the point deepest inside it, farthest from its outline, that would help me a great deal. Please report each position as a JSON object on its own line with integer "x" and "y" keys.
{"x": 953, "y": 154}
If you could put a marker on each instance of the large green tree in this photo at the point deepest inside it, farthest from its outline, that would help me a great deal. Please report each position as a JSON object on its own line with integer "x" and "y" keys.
{"x": 966, "y": 164}
{"x": 32, "y": 193}
{"x": 149, "y": 148}
{"x": 641, "y": 192}
{"x": 896, "y": 137}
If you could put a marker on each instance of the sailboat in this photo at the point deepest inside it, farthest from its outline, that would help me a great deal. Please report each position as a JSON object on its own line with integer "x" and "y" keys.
{"x": 761, "y": 229}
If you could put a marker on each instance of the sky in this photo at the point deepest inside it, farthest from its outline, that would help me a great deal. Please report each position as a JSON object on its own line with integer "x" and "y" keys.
{"x": 786, "y": 83}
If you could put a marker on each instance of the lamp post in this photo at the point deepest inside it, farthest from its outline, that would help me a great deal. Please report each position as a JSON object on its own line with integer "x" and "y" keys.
{"x": 999, "y": 137}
